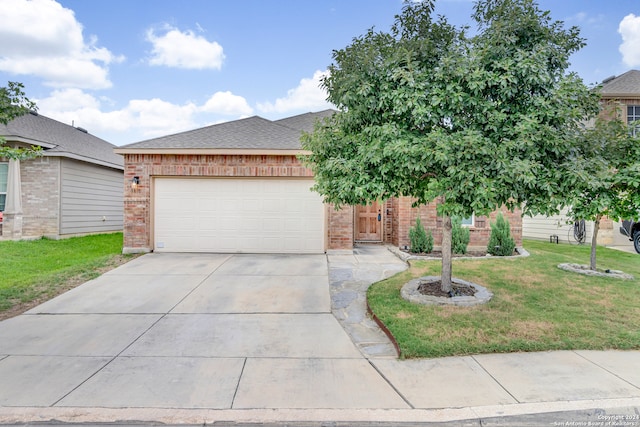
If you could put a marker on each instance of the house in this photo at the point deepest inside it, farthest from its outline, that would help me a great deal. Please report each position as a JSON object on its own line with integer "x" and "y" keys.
{"x": 240, "y": 187}
{"x": 74, "y": 188}
{"x": 620, "y": 96}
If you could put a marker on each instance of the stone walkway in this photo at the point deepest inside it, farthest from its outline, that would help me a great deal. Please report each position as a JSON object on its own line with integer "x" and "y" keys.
{"x": 350, "y": 275}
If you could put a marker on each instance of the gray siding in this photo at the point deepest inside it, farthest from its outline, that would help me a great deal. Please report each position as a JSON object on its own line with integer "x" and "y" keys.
{"x": 91, "y": 198}
{"x": 541, "y": 227}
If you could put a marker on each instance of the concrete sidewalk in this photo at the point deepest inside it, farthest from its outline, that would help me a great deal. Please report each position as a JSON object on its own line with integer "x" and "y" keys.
{"x": 204, "y": 338}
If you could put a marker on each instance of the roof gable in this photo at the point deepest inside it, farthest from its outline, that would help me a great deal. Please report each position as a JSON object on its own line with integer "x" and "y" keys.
{"x": 624, "y": 85}
{"x": 59, "y": 139}
{"x": 252, "y": 133}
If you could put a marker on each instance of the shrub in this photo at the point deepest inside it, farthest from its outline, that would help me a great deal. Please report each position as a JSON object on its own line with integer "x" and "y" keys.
{"x": 500, "y": 242}
{"x": 429, "y": 246}
{"x": 459, "y": 236}
{"x": 421, "y": 241}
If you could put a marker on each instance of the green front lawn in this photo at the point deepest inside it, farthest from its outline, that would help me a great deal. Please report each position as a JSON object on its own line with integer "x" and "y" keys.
{"x": 32, "y": 271}
{"x": 535, "y": 307}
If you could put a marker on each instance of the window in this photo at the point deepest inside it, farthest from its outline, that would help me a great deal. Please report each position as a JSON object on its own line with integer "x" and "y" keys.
{"x": 633, "y": 114}
{"x": 4, "y": 172}
{"x": 468, "y": 222}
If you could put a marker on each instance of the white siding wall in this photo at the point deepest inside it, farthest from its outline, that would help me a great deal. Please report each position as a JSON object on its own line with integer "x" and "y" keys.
{"x": 541, "y": 227}
{"x": 91, "y": 198}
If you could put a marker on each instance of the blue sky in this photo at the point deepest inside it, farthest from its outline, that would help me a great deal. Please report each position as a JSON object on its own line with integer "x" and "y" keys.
{"x": 129, "y": 70}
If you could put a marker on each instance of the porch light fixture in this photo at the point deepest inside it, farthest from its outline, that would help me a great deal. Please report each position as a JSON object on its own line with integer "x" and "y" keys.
{"x": 135, "y": 181}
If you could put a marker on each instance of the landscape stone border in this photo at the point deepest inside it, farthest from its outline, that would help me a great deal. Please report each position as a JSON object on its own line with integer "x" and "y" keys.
{"x": 522, "y": 252}
{"x": 410, "y": 293}
{"x": 584, "y": 269}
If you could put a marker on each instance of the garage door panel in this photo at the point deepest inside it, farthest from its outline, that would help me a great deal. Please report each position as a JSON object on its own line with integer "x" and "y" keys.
{"x": 211, "y": 205}
{"x": 238, "y": 215}
{"x": 188, "y": 200}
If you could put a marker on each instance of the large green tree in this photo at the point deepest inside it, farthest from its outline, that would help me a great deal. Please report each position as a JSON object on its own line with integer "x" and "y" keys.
{"x": 427, "y": 111}
{"x": 607, "y": 165}
{"x": 13, "y": 104}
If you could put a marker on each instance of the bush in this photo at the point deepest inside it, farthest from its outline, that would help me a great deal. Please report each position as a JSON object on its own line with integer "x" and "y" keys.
{"x": 421, "y": 241}
{"x": 500, "y": 242}
{"x": 459, "y": 236}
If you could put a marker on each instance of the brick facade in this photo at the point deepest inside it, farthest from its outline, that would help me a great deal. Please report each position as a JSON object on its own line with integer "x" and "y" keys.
{"x": 340, "y": 227}
{"x": 137, "y": 203}
{"x": 404, "y": 217}
{"x": 399, "y": 215}
{"x": 40, "y": 196}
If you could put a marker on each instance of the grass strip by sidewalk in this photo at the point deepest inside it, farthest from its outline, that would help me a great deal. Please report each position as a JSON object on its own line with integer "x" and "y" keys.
{"x": 33, "y": 271}
{"x": 536, "y": 306}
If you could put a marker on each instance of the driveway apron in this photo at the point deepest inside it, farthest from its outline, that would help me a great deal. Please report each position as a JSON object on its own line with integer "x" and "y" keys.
{"x": 191, "y": 331}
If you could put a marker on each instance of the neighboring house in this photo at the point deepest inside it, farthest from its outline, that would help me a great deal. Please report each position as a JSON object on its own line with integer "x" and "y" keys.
{"x": 75, "y": 188}
{"x": 620, "y": 97}
{"x": 240, "y": 187}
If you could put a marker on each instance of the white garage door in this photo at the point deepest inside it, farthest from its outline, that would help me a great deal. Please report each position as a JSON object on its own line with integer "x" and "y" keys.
{"x": 237, "y": 215}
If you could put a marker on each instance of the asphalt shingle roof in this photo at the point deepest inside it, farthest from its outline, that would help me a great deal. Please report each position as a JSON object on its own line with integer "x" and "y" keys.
{"x": 305, "y": 122}
{"x": 253, "y": 133}
{"x": 623, "y": 85}
{"x": 68, "y": 141}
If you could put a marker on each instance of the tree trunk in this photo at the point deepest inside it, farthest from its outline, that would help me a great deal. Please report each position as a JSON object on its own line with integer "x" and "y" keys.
{"x": 446, "y": 254}
{"x": 594, "y": 241}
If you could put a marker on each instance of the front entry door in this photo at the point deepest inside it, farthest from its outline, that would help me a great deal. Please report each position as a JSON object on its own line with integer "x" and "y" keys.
{"x": 369, "y": 222}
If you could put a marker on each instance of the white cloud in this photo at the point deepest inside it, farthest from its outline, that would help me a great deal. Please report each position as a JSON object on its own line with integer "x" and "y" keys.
{"x": 67, "y": 100}
{"x": 306, "y": 96}
{"x": 158, "y": 117}
{"x": 629, "y": 29}
{"x": 185, "y": 49}
{"x": 227, "y": 103}
{"x": 149, "y": 117}
{"x": 44, "y": 39}
{"x": 140, "y": 118}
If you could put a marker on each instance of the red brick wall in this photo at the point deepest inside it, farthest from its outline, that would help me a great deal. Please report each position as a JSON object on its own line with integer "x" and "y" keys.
{"x": 340, "y": 227}
{"x": 137, "y": 203}
{"x": 405, "y": 217}
{"x": 399, "y": 215}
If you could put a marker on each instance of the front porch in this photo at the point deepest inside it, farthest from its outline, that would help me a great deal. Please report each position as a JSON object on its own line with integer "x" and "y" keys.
{"x": 389, "y": 222}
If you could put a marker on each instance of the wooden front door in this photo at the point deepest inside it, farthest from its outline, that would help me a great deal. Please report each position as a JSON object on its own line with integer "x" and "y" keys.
{"x": 369, "y": 222}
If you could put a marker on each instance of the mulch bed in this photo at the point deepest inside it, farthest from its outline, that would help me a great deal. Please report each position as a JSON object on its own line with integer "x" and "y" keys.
{"x": 434, "y": 288}
{"x": 438, "y": 254}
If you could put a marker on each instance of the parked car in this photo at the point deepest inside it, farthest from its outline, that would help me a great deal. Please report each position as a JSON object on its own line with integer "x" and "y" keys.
{"x": 631, "y": 229}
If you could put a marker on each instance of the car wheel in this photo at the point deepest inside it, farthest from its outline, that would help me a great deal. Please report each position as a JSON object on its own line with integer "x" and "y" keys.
{"x": 636, "y": 241}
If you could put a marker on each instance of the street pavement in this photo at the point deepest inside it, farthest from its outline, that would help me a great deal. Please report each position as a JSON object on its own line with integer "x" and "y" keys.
{"x": 197, "y": 339}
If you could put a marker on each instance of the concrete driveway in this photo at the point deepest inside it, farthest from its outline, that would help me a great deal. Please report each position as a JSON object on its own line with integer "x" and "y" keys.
{"x": 187, "y": 338}
{"x": 191, "y": 331}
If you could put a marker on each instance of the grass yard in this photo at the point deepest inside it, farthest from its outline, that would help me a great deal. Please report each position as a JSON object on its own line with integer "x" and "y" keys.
{"x": 33, "y": 271}
{"x": 535, "y": 307}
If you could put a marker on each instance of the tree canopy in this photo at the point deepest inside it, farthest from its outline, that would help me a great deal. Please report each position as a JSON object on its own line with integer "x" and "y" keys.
{"x": 13, "y": 104}
{"x": 428, "y": 111}
{"x": 607, "y": 167}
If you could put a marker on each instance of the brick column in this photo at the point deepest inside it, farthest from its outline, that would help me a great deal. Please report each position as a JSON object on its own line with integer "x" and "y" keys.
{"x": 340, "y": 227}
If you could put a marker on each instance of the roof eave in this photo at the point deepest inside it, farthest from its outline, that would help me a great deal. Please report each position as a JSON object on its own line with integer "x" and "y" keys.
{"x": 610, "y": 96}
{"x": 14, "y": 138}
{"x": 83, "y": 158}
{"x": 213, "y": 151}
